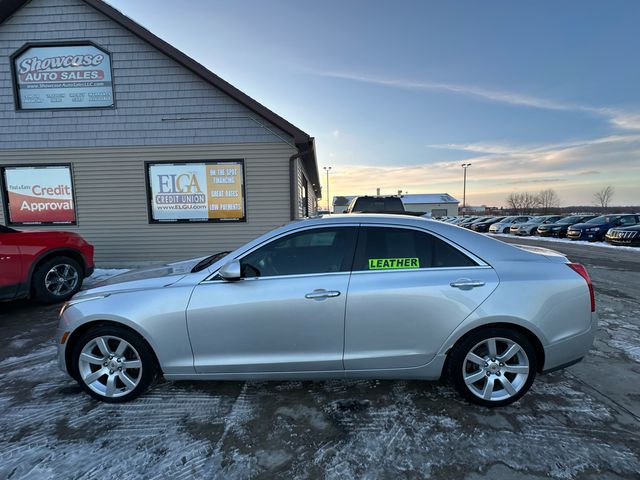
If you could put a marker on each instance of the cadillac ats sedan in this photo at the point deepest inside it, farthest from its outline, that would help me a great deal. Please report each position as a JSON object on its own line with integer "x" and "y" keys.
{"x": 345, "y": 296}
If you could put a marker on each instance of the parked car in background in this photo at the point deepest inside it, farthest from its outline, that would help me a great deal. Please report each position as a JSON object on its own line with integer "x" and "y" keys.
{"x": 504, "y": 225}
{"x": 625, "y": 236}
{"x": 376, "y": 204}
{"x": 595, "y": 229}
{"x": 559, "y": 228}
{"x": 530, "y": 227}
{"x": 477, "y": 220}
{"x": 466, "y": 220}
{"x": 385, "y": 296}
{"x": 484, "y": 225}
{"x": 46, "y": 265}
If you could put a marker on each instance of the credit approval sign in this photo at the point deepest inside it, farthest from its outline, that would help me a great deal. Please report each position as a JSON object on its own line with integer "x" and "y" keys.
{"x": 197, "y": 191}
{"x": 71, "y": 76}
{"x": 39, "y": 195}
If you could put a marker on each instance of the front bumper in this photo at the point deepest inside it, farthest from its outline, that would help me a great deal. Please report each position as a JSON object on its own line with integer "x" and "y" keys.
{"x": 582, "y": 235}
{"x": 570, "y": 350}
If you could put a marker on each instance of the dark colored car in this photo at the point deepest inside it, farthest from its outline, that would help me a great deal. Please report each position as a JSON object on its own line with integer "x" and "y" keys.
{"x": 559, "y": 228}
{"x": 466, "y": 221}
{"x": 46, "y": 265}
{"x": 377, "y": 204}
{"x": 595, "y": 229}
{"x": 627, "y": 236}
{"x": 477, "y": 220}
{"x": 485, "y": 224}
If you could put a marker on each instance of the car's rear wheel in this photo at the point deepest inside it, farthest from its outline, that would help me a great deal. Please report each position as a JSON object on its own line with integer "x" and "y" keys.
{"x": 56, "y": 279}
{"x": 493, "y": 367}
{"x": 113, "y": 364}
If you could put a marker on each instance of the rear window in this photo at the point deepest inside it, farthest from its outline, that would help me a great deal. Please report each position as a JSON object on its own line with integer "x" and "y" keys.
{"x": 371, "y": 204}
{"x": 386, "y": 248}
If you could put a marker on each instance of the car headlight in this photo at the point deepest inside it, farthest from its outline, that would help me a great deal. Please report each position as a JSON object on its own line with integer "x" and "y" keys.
{"x": 73, "y": 301}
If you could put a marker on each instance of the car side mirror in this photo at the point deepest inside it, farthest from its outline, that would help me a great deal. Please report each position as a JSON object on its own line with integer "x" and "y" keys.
{"x": 230, "y": 271}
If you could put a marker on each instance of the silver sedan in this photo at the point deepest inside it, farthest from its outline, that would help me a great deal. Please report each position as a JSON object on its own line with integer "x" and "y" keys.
{"x": 345, "y": 296}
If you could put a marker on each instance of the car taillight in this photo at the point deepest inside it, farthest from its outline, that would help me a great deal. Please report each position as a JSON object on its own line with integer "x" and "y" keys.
{"x": 580, "y": 270}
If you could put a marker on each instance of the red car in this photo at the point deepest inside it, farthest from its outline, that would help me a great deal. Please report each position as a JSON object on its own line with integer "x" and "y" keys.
{"x": 46, "y": 265}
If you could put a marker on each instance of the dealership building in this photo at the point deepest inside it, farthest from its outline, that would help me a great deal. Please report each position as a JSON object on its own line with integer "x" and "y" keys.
{"x": 108, "y": 131}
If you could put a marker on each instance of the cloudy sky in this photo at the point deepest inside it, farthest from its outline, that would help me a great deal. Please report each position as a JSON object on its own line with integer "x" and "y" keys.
{"x": 399, "y": 93}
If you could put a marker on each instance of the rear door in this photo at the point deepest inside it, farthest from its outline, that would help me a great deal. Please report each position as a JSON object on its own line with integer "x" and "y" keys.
{"x": 409, "y": 290}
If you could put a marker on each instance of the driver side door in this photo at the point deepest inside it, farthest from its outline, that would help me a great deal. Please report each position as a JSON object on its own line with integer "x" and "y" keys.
{"x": 285, "y": 314}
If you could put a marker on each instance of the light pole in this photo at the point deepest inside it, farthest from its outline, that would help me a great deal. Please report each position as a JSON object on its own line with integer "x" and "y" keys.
{"x": 327, "y": 169}
{"x": 464, "y": 188}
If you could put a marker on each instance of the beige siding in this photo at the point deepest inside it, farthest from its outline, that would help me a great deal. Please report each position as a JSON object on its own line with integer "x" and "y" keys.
{"x": 158, "y": 101}
{"x": 112, "y": 200}
{"x": 300, "y": 175}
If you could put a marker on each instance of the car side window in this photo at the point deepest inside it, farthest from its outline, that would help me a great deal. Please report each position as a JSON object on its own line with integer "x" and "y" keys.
{"x": 388, "y": 248}
{"x": 319, "y": 250}
{"x": 630, "y": 220}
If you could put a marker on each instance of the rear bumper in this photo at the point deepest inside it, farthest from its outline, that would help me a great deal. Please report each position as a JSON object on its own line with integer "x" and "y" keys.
{"x": 570, "y": 350}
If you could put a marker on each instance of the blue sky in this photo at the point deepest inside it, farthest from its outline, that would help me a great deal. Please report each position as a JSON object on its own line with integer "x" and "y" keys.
{"x": 535, "y": 95}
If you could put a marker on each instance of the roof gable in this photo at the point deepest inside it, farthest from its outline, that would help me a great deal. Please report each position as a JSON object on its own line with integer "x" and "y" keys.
{"x": 304, "y": 142}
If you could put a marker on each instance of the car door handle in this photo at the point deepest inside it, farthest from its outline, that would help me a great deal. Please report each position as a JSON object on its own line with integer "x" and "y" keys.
{"x": 319, "y": 294}
{"x": 466, "y": 284}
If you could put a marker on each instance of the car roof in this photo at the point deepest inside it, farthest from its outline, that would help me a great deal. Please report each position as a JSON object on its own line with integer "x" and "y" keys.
{"x": 491, "y": 250}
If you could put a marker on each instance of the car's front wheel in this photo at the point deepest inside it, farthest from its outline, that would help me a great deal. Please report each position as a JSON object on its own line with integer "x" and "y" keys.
{"x": 493, "y": 366}
{"x": 56, "y": 279}
{"x": 113, "y": 364}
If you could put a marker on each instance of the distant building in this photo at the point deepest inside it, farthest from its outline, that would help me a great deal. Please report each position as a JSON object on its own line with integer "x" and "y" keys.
{"x": 438, "y": 204}
{"x": 340, "y": 203}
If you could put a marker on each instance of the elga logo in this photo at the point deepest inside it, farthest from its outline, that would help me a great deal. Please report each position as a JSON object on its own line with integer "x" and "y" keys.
{"x": 175, "y": 189}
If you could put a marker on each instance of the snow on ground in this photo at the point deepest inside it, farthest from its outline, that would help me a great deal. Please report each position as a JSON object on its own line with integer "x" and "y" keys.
{"x": 565, "y": 240}
{"x": 101, "y": 274}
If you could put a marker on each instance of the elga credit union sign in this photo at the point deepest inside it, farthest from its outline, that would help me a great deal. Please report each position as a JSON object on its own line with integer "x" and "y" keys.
{"x": 77, "y": 76}
{"x": 39, "y": 195}
{"x": 197, "y": 192}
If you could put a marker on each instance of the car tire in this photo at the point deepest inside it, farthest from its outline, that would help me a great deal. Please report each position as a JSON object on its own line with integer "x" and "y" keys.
{"x": 113, "y": 364}
{"x": 492, "y": 379}
{"x": 56, "y": 280}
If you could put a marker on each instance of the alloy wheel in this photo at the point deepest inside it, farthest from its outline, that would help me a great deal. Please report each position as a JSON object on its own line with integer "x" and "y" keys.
{"x": 495, "y": 369}
{"x": 110, "y": 366}
{"x": 61, "y": 279}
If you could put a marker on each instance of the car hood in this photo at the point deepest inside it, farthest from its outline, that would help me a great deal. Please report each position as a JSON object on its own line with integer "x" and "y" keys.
{"x": 142, "y": 278}
{"x": 580, "y": 226}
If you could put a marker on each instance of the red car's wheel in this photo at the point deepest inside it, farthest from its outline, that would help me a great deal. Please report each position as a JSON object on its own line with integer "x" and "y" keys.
{"x": 56, "y": 279}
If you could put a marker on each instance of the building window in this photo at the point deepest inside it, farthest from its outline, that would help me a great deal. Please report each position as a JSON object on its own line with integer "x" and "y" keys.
{"x": 69, "y": 75}
{"x": 38, "y": 195}
{"x": 201, "y": 191}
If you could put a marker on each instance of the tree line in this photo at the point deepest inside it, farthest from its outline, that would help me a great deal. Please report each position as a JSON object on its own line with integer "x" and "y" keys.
{"x": 547, "y": 201}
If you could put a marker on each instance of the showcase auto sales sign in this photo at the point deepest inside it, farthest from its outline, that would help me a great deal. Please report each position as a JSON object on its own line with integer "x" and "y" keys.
{"x": 75, "y": 76}
{"x": 39, "y": 194}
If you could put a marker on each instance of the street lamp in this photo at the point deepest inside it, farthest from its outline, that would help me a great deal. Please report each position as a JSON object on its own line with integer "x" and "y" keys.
{"x": 327, "y": 169}
{"x": 464, "y": 188}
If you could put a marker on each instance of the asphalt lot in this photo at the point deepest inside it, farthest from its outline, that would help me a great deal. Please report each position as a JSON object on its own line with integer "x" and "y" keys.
{"x": 583, "y": 422}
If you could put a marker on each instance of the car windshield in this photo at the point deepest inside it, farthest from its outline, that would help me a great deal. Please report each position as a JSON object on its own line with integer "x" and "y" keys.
{"x": 602, "y": 219}
{"x": 210, "y": 260}
{"x": 537, "y": 220}
{"x": 572, "y": 219}
{"x": 507, "y": 219}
